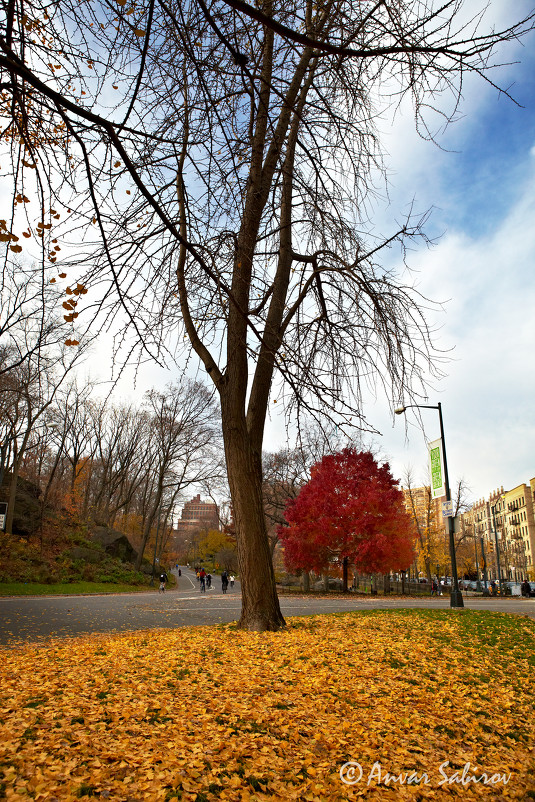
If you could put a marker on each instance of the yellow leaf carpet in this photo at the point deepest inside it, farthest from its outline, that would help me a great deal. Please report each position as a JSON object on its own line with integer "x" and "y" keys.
{"x": 375, "y": 705}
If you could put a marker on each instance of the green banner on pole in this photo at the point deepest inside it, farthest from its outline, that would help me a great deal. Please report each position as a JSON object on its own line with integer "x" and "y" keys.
{"x": 436, "y": 468}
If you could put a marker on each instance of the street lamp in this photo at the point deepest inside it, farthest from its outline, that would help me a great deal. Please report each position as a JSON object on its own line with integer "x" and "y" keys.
{"x": 478, "y": 580}
{"x": 456, "y": 597}
{"x": 493, "y": 508}
{"x": 485, "y": 575}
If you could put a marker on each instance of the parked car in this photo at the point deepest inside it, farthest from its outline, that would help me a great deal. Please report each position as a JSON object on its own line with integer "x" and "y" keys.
{"x": 334, "y": 584}
{"x": 468, "y": 584}
{"x": 512, "y": 588}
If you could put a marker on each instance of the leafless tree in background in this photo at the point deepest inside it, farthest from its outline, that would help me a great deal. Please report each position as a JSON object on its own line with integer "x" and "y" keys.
{"x": 286, "y": 470}
{"x": 27, "y": 392}
{"x": 183, "y": 431}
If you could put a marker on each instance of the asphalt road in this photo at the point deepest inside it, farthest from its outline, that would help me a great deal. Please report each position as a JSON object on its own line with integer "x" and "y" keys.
{"x": 37, "y": 619}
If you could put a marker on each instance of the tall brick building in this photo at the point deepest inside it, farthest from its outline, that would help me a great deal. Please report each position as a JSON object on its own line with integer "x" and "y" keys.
{"x": 197, "y": 515}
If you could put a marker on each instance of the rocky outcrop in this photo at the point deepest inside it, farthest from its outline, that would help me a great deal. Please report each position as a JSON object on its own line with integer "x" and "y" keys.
{"x": 114, "y": 543}
{"x": 27, "y": 509}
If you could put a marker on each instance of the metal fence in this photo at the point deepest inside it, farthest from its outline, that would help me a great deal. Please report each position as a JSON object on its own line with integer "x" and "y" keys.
{"x": 365, "y": 586}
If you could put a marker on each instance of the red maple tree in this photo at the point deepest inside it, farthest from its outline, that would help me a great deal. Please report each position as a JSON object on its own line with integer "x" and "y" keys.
{"x": 351, "y": 511}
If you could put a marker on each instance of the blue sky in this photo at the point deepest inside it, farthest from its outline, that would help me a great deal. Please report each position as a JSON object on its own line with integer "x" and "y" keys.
{"x": 482, "y": 188}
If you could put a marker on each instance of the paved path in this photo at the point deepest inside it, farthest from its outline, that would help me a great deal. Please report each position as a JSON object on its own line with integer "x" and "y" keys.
{"x": 34, "y": 619}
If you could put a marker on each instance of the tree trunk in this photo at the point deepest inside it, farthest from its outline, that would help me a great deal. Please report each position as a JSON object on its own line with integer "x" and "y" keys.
{"x": 260, "y": 604}
{"x": 344, "y": 574}
{"x": 12, "y": 498}
{"x": 306, "y": 582}
{"x": 144, "y": 540}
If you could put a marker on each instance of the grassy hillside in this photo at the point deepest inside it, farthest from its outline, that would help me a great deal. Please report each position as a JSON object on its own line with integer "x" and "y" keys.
{"x": 64, "y": 553}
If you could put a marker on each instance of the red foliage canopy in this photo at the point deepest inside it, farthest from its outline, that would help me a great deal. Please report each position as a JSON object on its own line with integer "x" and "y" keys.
{"x": 351, "y": 507}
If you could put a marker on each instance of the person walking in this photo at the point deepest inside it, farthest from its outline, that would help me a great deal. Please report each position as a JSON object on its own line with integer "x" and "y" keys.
{"x": 224, "y": 581}
{"x": 208, "y": 580}
{"x": 231, "y": 581}
{"x": 163, "y": 580}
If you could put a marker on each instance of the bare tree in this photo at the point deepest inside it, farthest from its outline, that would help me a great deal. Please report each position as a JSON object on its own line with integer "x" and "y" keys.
{"x": 286, "y": 470}
{"x": 421, "y": 509}
{"x": 461, "y": 503}
{"x": 122, "y": 459}
{"x": 72, "y": 422}
{"x": 26, "y": 394}
{"x": 245, "y": 138}
{"x": 183, "y": 424}
{"x": 27, "y": 326}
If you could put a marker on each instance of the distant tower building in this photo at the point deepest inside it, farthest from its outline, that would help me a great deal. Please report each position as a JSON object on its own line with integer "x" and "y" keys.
{"x": 198, "y": 515}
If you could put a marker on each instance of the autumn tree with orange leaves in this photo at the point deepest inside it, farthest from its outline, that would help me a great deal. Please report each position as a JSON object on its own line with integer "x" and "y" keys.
{"x": 201, "y": 174}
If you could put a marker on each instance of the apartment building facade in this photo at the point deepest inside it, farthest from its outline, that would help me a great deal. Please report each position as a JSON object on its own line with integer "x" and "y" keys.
{"x": 502, "y": 524}
{"x": 505, "y": 523}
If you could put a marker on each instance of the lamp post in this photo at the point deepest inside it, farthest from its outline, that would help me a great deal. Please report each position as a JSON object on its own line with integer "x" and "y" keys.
{"x": 485, "y": 576}
{"x": 456, "y": 597}
{"x": 498, "y": 569}
{"x": 478, "y": 580}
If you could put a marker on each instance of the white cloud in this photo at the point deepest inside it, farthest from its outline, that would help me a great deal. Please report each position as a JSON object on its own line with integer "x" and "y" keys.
{"x": 488, "y": 394}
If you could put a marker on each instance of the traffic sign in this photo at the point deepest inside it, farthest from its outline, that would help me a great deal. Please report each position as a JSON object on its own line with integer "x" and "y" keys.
{"x": 447, "y": 509}
{"x": 3, "y": 515}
